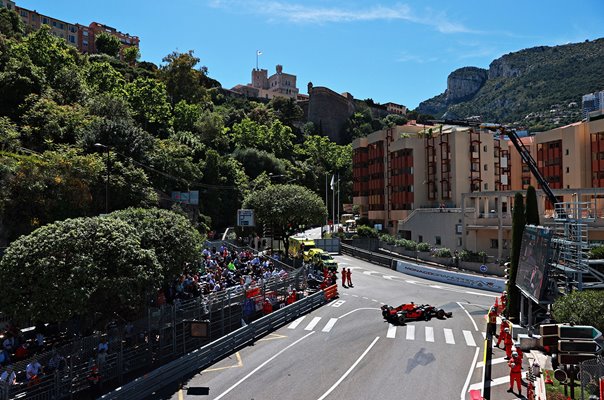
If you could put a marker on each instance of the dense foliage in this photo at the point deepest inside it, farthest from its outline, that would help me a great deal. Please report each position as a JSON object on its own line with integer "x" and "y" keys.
{"x": 82, "y": 266}
{"x": 166, "y": 128}
{"x": 582, "y": 308}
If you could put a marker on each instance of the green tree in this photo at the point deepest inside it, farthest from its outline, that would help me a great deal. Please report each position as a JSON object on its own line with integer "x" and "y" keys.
{"x": 19, "y": 79}
{"x": 582, "y": 308}
{"x": 9, "y": 135}
{"x": 176, "y": 162}
{"x": 122, "y": 135}
{"x": 131, "y": 55}
{"x": 11, "y": 24}
{"x": 83, "y": 266}
{"x": 532, "y": 210}
{"x": 182, "y": 80}
{"x": 279, "y": 139}
{"x": 518, "y": 223}
{"x": 284, "y": 207}
{"x": 287, "y": 110}
{"x": 101, "y": 77}
{"x": 108, "y": 44}
{"x": 171, "y": 236}
{"x": 249, "y": 134}
{"x": 149, "y": 101}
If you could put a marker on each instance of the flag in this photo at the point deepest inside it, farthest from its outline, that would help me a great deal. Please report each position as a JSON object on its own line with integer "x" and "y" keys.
{"x": 333, "y": 182}
{"x": 258, "y": 52}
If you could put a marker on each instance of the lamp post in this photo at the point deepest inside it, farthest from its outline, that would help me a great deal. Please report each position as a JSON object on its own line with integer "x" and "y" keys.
{"x": 106, "y": 148}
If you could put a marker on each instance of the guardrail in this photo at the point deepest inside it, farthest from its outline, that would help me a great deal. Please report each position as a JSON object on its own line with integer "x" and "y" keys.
{"x": 370, "y": 256}
{"x": 201, "y": 358}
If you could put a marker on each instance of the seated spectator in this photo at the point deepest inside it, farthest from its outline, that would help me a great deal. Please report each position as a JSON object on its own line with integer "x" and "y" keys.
{"x": 103, "y": 346}
{"x": 40, "y": 341}
{"x": 33, "y": 370}
{"x": 8, "y": 376}
{"x": 4, "y": 357}
{"x": 22, "y": 352}
{"x": 56, "y": 363}
{"x": 10, "y": 343}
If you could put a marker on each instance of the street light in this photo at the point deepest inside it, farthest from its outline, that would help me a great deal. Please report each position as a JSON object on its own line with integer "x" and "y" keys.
{"x": 106, "y": 148}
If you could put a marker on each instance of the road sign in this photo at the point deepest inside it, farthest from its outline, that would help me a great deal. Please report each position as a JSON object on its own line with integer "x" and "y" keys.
{"x": 574, "y": 359}
{"x": 483, "y": 268}
{"x": 579, "y": 346}
{"x": 578, "y": 332}
{"x": 245, "y": 217}
{"x": 549, "y": 335}
{"x": 560, "y": 375}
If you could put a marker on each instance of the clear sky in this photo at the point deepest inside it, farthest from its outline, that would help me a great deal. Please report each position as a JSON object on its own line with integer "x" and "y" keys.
{"x": 385, "y": 50}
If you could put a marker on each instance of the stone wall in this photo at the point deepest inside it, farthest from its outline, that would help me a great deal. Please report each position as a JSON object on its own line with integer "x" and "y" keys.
{"x": 329, "y": 111}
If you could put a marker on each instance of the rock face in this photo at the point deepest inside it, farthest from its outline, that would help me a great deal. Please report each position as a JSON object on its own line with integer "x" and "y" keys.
{"x": 464, "y": 83}
{"x": 503, "y": 68}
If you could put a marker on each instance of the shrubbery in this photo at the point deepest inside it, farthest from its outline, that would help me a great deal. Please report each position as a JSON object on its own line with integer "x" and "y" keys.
{"x": 582, "y": 308}
{"x": 423, "y": 246}
{"x": 367, "y": 231}
{"x": 442, "y": 252}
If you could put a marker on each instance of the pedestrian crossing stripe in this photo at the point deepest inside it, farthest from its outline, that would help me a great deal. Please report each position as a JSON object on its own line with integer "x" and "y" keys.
{"x": 429, "y": 334}
{"x": 494, "y": 382}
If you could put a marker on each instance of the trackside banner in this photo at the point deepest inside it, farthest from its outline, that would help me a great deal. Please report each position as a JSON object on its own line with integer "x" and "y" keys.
{"x": 454, "y": 278}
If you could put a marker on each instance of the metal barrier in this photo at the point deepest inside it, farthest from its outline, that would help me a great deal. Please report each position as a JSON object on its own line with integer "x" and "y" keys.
{"x": 590, "y": 373}
{"x": 370, "y": 256}
{"x": 201, "y": 358}
{"x": 151, "y": 342}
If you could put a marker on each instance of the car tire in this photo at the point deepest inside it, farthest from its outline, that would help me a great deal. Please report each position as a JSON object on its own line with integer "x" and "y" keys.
{"x": 402, "y": 318}
{"x": 440, "y": 314}
{"x": 427, "y": 316}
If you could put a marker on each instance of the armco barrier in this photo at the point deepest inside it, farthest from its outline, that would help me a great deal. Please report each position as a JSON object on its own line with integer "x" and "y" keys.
{"x": 431, "y": 273}
{"x": 331, "y": 292}
{"x": 174, "y": 371}
{"x": 454, "y": 278}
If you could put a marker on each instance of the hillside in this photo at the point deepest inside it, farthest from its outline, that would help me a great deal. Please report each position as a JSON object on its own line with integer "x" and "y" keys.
{"x": 538, "y": 88}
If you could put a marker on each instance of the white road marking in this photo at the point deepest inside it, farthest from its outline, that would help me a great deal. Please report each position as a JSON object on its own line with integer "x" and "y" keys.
{"x": 484, "y": 335}
{"x": 391, "y": 331}
{"x": 366, "y": 298}
{"x": 374, "y": 300}
{"x": 412, "y": 282}
{"x": 329, "y": 325}
{"x": 295, "y": 324}
{"x": 312, "y": 324}
{"x": 469, "y": 316}
{"x": 389, "y": 277}
{"x": 355, "y": 295}
{"x": 338, "y": 303}
{"x": 429, "y": 334}
{"x": 357, "y": 309}
{"x": 369, "y": 272}
{"x": 410, "y": 332}
{"x": 449, "y": 336}
{"x": 469, "y": 338}
{"x": 436, "y": 286}
{"x": 494, "y": 382}
{"x": 464, "y": 390}
{"x": 262, "y": 366}
{"x": 494, "y": 361}
{"x": 335, "y": 385}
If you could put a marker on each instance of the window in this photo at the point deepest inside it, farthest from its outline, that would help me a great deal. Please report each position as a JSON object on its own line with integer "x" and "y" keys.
{"x": 437, "y": 241}
{"x": 566, "y": 152}
{"x": 486, "y": 186}
{"x": 71, "y": 39}
{"x": 567, "y": 170}
{"x": 85, "y": 42}
{"x": 85, "y": 33}
{"x": 486, "y": 167}
{"x": 459, "y": 242}
{"x": 494, "y": 243}
{"x": 484, "y": 148}
{"x": 45, "y": 20}
{"x": 420, "y": 239}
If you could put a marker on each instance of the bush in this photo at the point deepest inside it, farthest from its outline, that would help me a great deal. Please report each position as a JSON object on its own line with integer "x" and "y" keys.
{"x": 596, "y": 253}
{"x": 467, "y": 255}
{"x": 582, "y": 308}
{"x": 443, "y": 252}
{"x": 388, "y": 239}
{"x": 367, "y": 231}
{"x": 423, "y": 246}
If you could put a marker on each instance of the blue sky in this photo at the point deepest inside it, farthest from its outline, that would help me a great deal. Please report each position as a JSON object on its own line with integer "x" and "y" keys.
{"x": 384, "y": 50}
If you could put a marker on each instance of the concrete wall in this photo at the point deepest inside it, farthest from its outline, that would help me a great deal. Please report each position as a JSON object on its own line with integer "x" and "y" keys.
{"x": 329, "y": 111}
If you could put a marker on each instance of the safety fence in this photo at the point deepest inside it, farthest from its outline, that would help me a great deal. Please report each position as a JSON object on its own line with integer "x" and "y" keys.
{"x": 372, "y": 257}
{"x": 201, "y": 358}
{"x": 591, "y": 375}
{"x": 143, "y": 345}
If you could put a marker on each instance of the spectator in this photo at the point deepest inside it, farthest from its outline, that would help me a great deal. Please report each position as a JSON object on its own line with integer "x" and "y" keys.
{"x": 8, "y": 376}
{"x": 56, "y": 363}
{"x": 33, "y": 370}
{"x": 22, "y": 352}
{"x": 10, "y": 343}
{"x": 4, "y": 357}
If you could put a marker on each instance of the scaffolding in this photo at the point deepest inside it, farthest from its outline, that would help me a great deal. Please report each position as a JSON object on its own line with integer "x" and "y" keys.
{"x": 571, "y": 244}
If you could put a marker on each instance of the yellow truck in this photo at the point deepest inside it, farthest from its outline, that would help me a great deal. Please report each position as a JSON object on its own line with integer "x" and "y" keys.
{"x": 323, "y": 260}
{"x": 299, "y": 247}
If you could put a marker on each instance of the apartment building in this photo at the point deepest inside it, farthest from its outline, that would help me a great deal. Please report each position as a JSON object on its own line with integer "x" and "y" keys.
{"x": 394, "y": 108}
{"x": 592, "y": 102}
{"x": 80, "y": 36}
{"x": 454, "y": 186}
{"x": 263, "y": 86}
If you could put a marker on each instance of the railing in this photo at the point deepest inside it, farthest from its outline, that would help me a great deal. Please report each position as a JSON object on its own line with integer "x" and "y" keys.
{"x": 201, "y": 358}
{"x": 370, "y": 256}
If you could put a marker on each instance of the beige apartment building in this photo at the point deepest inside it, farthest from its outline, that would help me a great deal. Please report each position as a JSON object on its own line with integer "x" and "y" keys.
{"x": 454, "y": 186}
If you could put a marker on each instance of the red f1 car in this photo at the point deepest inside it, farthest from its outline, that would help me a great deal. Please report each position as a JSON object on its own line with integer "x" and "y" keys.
{"x": 412, "y": 311}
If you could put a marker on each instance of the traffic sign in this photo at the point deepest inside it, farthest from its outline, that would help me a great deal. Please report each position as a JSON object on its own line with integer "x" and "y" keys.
{"x": 483, "y": 268}
{"x": 560, "y": 375}
{"x": 578, "y": 332}
{"x": 574, "y": 359}
{"x": 579, "y": 346}
{"x": 549, "y": 335}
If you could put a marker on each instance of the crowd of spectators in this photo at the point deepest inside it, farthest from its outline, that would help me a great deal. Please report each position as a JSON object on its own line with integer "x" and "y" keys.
{"x": 221, "y": 269}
